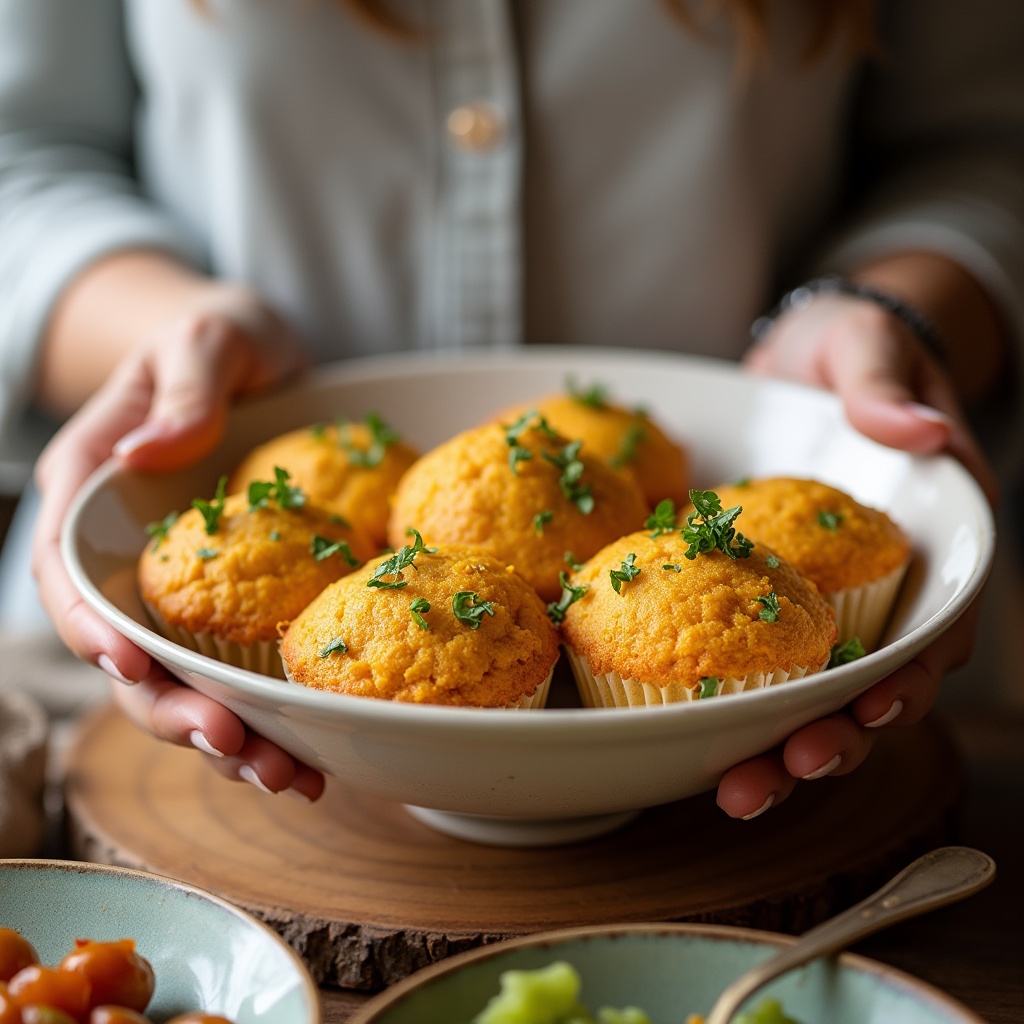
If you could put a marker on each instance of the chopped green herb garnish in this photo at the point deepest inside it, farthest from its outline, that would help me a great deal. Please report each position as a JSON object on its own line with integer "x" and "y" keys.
{"x": 401, "y": 559}
{"x": 708, "y": 686}
{"x": 570, "y": 595}
{"x": 567, "y": 460}
{"x": 844, "y": 653}
{"x": 662, "y": 519}
{"x": 469, "y": 609}
{"x": 321, "y": 548}
{"x": 287, "y": 497}
{"x": 770, "y": 611}
{"x": 419, "y": 607}
{"x": 211, "y": 511}
{"x": 570, "y": 560}
{"x": 158, "y": 530}
{"x": 340, "y": 520}
{"x": 594, "y": 397}
{"x": 318, "y": 430}
{"x": 772, "y": 562}
{"x": 337, "y": 644}
{"x": 709, "y": 528}
{"x": 672, "y": 567}
{"x": 518, "y": 453}
{"x": 628, "y": 446}
{"x": 542, "y": 518}
{"x": 629, "y": 571}
{"x": 829, "y": 520}
{"x": 381, "y": 436}
{"x": 207, "y": 553}
{"x": 275, "y": 535}
{"x": 743, "y": 481}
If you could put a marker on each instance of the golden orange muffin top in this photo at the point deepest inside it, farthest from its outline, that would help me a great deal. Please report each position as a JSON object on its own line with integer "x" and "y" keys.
{"x": 831, "y": 538}
{"x": 679, "y": 620}
{"x": 444, "y": 626}
{"x": 521, "y": 492}
{"x": 348, "y": 468}
{"x": 627, "y": 439}
{"x": 255, "y": 568}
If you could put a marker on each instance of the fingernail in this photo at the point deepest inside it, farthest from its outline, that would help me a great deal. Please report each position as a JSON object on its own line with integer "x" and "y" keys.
{"x": 825, "y": 769}
{"x": 928, "y": 412}
{"x": 248, "y": 773}
{"x": 106, "y": 663}
{"x": 764, "y": 807}
{"x": 297, "y": 794}
{"x": 141, "y": 436}
{"x": 200, "y": 742}
{"x": 893, "y": 712}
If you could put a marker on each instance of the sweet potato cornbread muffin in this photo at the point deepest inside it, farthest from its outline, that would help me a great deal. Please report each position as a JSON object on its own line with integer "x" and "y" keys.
{"x": 856, "y": 555}
{"x": 351, "y": 469}
{"x": 221, "y": 577}
{"x": 521, "y": 492}
{"x": 445, "y": 625}
{"x": 627, "y": 439}
{"x": 665, "y": 616}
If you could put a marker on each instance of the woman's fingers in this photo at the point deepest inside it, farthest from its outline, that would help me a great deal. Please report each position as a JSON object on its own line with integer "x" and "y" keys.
{"x": 170, "y": 711}
{"x": 750, "y": 788}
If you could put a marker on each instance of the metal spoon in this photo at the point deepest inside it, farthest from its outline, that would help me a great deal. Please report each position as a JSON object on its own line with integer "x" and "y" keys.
{"x": 940, "y": 877}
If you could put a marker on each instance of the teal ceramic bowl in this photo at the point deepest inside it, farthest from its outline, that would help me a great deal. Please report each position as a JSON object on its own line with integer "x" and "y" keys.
{"x": 669, "y": 971}
{"x": 206, "y": 953}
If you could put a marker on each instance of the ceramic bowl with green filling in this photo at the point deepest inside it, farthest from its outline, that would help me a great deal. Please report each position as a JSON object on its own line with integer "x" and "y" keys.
{"x": 669, "y": 971}
{"x": 206, "y": 953}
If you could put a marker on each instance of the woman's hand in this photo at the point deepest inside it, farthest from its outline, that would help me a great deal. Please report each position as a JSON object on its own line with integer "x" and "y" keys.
{"x": 894, "y": 392}
{"x": 163, "y": 407}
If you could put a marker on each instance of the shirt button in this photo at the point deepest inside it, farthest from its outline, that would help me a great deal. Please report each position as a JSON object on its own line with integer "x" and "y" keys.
{"x": 476, "y": 127}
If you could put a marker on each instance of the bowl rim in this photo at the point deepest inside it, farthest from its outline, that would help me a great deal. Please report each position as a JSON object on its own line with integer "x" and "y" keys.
{"x": 555, "y": 724}
{"x": 369, "y": 1012}
{"x": 83, "y": 867}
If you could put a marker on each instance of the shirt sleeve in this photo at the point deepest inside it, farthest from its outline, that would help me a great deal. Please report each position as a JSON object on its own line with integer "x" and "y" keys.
{"x": 67, "y": 191}
{"x": 942, "y": 145}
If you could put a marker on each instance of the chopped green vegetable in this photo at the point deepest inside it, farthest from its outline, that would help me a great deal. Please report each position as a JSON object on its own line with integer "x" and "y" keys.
{"x": 846, "y": 652}
{"x": 594, "y": 397}
{"x": 381, "y": 438}
{"x": 207, "y": 553}
{"x": 772, "y": 562}
{"x": 211, "y": 511}
{"x": 286, "y": 496}
{"x": 628, "y": 446}
{"x": 469, "y": 609}
{"x": 275, "y": 535}
{"x": 707, "y": 687}
{"x": 709, "y": 528}
{"x": 518, "y": 453}
{"x": 321, "y": 548}
{"x": 570, "y": 560}
{"x": 400, "y": 560}
{"x": 570, "y": 595}
{"x": 567, "y": 460}
{"x": 339, "y": 520}
{"x": 629, "y": 571}
{"x": 541, "y": 519}
{"x": 418, "y": 608}
{"x": 318, "y": 430}
{"x": 337, "y": 644}
{"x": 662, "y": 519}
{"x": 158, "y": 530}
{"x": 770, "y": 611}
{"x": 672, "y": 567}
{"x": 829, "y": 520}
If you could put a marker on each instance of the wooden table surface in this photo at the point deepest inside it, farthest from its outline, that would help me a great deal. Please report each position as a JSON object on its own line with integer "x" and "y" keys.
{"x": 974, "y": 950}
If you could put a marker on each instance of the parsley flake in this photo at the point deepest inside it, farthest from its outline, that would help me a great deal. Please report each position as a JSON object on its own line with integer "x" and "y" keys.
{"x": 517, "y": 452}
{"x": 287, "y": 497}
{"x": 542, "y": 518}
{"x": 628, "y": 445}
{"x": 709, "y": 528}
{"x": 772, "y": 562}
{"x": 844, "y": 653}
{"x": 469, "y": 609}
{"x": 629, "y": 571}
{"x": 770, "y": 611}
{"x": 211, "y": 511}
{"x": 381, "y": 437}
{"x": 662, "y": 519}
{"x": 567, "y": 460}
{"x": 570, "y": 560}
{"x": 829, "y": 520}
{"x": 207, "y": 553}
{"x": 158, "y": 530}
{"x": 570, "y": 595}
{"x": 321, "y": 548}
{"x": 337, "y": 644}
{"x": 594, "y": 397}
{"x": 400, "y": 560}
{"x": 707, "y": 687}
{"x": 672, "y": 567}
{"x": 418, "y": 608}
{"x": 275, "y": 535}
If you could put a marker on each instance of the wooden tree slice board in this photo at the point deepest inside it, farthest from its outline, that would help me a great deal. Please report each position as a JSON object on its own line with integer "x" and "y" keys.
{"x": 366, "y": 894}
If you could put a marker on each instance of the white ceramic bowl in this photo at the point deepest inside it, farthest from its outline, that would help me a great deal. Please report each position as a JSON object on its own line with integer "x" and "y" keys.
{"x": 207, "y": 955}
{"x": 557, "y": 774}
{"x": 668, "y": 971}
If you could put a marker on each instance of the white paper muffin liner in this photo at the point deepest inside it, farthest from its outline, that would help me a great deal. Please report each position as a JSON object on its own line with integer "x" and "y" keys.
{"x": 262, "y": 657}
{"x": 610, "y": 690}
{"x": 864, "y": 611}
{"x": 528, "y": 702}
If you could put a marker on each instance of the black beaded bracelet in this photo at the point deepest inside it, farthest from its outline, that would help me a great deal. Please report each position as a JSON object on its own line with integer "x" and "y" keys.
{"x": 923, "y": 329}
